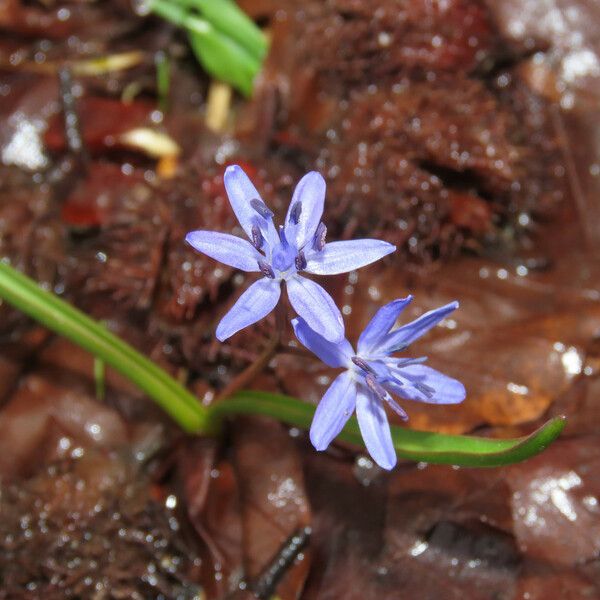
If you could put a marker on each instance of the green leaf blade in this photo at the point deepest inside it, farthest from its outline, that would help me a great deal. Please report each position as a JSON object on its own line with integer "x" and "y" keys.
{"x": 225, "y": 41}
{"x": 420, "y": 446}
{"x": 232, "y": 22}
{"x": 222, "y": 57}
{"x": 66, "y": 320}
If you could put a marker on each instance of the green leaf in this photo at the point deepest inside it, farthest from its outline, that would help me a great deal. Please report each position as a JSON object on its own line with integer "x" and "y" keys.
{"x": 230, "y": 20}
{"x": 219, "y": 52}
{"x": 221, "y": 56}
{"x": 59, "y": 316}
{"x": 169, "y": 11}
{"x": 468, "y": 451}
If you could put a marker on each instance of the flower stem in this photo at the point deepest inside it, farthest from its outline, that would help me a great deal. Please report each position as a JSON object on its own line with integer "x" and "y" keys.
{"x": 247, "y": 375}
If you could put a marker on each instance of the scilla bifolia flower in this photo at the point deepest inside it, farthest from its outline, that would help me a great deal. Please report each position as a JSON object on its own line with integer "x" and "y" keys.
{"x": 281, "y": 254}
{"x": 372, "y": 374}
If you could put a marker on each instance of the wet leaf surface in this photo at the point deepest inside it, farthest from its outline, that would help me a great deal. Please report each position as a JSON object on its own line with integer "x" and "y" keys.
{"x": 273, "y": 499}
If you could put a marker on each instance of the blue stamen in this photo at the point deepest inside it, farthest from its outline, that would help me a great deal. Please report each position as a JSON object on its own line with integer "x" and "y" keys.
{"x": 261, "y": 208}
{"x": 362, "y": 364}
{"x": 397, "y": 408}
{"x": 399, "y": 363}
{"x": 282, "y": 237}
{"x": 377, "y": 388}
{"x": 399, "y": 348}
{"x": 426, "y": 390}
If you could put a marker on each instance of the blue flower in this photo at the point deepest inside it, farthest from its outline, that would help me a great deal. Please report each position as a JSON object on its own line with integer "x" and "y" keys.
{"x": 281, "y": 254}
{"x": 372, "y": 374}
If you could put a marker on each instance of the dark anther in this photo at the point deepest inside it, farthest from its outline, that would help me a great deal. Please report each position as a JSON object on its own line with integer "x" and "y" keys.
{"x": 257, "y": 237}
{"x": 261, "y": 208}
{"x": 300, "y": 261}
{"x": 265, "y": 585}
{"x": 361, "y": 364}
{"x": 296, "y": 212}
{"x": 320, "y": 235}
{"x": 265, "y": 269}
{"x": 73, "y": 135}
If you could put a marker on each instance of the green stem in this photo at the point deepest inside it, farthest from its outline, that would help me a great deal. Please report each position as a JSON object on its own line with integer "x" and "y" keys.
{"x": 100, "y": 378}
{"x": 59, "y": 316}
{"x": 163, "y": 79}
{"x": 468, "y": 451}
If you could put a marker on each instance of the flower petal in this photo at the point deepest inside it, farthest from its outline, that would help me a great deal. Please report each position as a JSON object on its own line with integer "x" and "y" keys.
{"x": 425, "y": 384}
{"x": 405, "y": 335}
{"x": 375, "y": 429}
{"x": 335, "y": 408}
{"x": 381, "y": 323}
{"x": 229, "y": 249}
{"x": 316, "y": 307}
{"x": 332, "y": 354}
{"x": 254, "y": 304}
{"x": 241, "y": 191}
{"x": 310, "y": 193}
{"x": 342, "y": 257}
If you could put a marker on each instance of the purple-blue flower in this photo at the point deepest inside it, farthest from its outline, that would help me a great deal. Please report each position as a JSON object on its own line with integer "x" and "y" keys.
{"x": 281, "y": 254}
{"x": 372, "y": 375}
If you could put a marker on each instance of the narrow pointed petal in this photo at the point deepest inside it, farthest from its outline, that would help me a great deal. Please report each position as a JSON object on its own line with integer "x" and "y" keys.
{"x": 425, "y": 384}
{"x": 254, "y": 304}
{"x": 380, "y": 324}
{"x": 332, "y": 354}
{"x": 241, "y": 191}
{"x": 375, "y": 429}
{"x": 405, "y": 335}
{"x": 335, "y": 408}
{"x": 228, "y": 249}
{"x": 316, "y": 307}
{"x": 342, "y": 257}
{"x": 306, "y": 208}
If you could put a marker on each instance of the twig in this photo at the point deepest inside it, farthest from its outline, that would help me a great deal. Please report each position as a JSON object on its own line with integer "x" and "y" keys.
{"x": 218, "y": 104}
{"x": 248, "y": 374}
{"x": 264, "y": 587}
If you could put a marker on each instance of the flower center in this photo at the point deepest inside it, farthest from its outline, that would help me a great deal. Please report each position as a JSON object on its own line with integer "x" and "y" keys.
{"x": 283, "y": 258}
{"x": 361, "y": 363}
